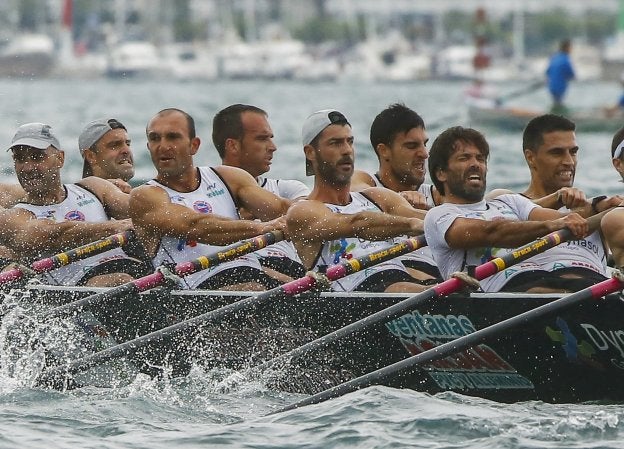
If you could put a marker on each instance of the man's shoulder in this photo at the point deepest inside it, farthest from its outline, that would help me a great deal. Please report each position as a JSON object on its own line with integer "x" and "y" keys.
{"x": 307, "y": 210}
{"x": 361, "y": 180}
{"x": 148, "y": 190}
{"x": 286, "y": 188}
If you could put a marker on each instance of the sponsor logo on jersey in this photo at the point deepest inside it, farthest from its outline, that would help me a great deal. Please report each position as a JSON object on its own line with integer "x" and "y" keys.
{"x": 74, "y": 215}
{"x": 203, "y": 207}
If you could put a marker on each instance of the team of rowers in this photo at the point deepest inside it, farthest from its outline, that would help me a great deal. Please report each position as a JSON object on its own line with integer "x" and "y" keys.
{"x": 188, "y": 211}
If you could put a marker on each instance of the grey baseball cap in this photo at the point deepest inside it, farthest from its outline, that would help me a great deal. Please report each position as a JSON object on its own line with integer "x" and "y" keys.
{"x": 315, "y": 124}
{"x": 95, "y": 130}
{"x": 35, "y": 135}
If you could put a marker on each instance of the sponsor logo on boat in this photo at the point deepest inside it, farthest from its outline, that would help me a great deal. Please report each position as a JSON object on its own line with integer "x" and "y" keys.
{"x": 607, "y": 340}
{"x": 576, "y": 350}
{"x": 479, "y": 367}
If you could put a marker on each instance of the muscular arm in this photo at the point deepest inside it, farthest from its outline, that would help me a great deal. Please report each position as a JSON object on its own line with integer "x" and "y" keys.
{"x": 155, "y": 216}
{"x": 11, "y": 194}
{"x": 115, "y": 201}
{"x": 31, "y": 237}
{"x": 312, "y": 221}
{"x": 259, "y": 202}
{"x": 393, "y": 203}
{"x": 474, "y": 233}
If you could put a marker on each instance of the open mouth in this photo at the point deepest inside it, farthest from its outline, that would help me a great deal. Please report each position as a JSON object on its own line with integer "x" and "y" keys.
{"x": 474, "y": 178}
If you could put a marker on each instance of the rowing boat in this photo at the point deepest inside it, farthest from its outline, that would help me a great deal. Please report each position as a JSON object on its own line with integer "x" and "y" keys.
{"x": 515, "y": 118}
{"x": 576, "y": 355}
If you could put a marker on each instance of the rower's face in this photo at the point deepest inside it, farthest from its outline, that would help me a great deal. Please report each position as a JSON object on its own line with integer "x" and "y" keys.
{"x": 335, "y": 155}
{"x": 256, "y": 146}
{"x": 170, "y": 145}
{"x": 553, "y": 165}
{"x": 408, "y": 155}
{"x": 465, "y": 178}
{"x": 113, "y": 157}
{"x": 38, "y": 170}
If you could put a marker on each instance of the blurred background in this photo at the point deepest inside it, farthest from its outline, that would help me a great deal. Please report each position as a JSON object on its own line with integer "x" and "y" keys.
{"x": 307, "y": 39}
{"x": 67, "y": 62}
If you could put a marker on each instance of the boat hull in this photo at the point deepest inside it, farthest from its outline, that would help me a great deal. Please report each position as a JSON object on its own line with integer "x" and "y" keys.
{"x": 573, "y": 356}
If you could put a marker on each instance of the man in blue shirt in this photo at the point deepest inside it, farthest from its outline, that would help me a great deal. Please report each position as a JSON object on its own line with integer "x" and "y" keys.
{"x": 559, "y": 72}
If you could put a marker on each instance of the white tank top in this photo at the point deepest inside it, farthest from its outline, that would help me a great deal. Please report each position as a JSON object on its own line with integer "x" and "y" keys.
{"x": 586, "y": 253}
{"x": 289, "y": 189}
{"x": 79, "y": 205}
{"x": 335, "y": 251}
{"x": 211, "y": 197}
{"x": 423, "y": 255}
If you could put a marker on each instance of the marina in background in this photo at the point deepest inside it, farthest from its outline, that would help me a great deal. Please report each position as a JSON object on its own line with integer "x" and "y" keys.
{"x": 308, "y": 41}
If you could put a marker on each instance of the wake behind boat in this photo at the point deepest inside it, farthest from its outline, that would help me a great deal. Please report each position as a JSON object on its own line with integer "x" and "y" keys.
{"x": 572, "y": 356}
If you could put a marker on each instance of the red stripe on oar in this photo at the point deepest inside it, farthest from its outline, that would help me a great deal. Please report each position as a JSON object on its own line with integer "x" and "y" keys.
{"x": 299, "y": 285}
{"x": 11, "y": 275}
{"x": 185, "y": 268}
{"x": 46, "y": 264}
{"x": 447, "y": 287}
{"x": 336, "y": 272}
{"x": 605, "y": 287}
{"x": 150, "y": 281}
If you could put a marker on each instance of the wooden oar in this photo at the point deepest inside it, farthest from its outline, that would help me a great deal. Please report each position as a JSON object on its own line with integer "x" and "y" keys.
{"x": 182, "y": 269}
{"x": 291, "y": 288}
{"x": 467, "y": 341}
{"x": 68, "y": 257}
{"x": 445, "y": 288}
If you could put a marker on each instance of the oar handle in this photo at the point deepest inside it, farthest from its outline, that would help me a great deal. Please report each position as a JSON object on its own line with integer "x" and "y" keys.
{"x": 11, "y": 275}
{"x": 228, "y": 253}
{"x": 524, "y": 252}
{"x": 158, "y": 278}
{"x": 90, "y": 249}
{"x": 65, "y": 258}
{"x": 351, "y": 266}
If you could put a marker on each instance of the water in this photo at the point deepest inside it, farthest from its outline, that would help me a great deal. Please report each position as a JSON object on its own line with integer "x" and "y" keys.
{"x": 69, "y": 104}
{"x": 215, "y": 408}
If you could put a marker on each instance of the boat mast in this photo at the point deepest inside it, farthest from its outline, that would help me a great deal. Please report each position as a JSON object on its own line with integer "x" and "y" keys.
{"x": 518, "y": 35}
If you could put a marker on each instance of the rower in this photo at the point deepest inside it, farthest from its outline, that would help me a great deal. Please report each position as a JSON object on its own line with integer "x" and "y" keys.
{"x": 617, "y": 152}
{"x": 467, "y": 230}
{"x": 399, "y": 139}
{"x": 89, "y": 205}
{"x": 105, "y": 147}
{"x": 551, "y": 153}
{"x": 243, "y": 138}
{"x": 188, "y": 211}
{"x": 335, "y": 224}
{"x": 611, "y": 223}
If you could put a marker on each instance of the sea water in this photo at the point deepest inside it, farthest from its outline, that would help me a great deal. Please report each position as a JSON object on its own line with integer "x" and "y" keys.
{"x": 219, "y": 408}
